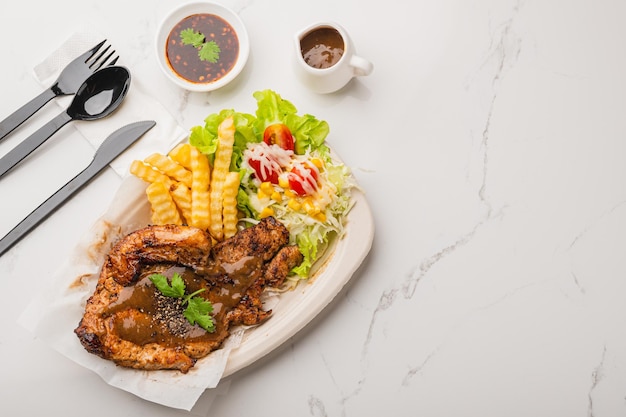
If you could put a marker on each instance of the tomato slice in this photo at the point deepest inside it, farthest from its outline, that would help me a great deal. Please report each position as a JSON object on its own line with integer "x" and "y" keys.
{"x": 279, "y": 134}
{"x": 265, "y": 170}
{"x": 303, "y": 179}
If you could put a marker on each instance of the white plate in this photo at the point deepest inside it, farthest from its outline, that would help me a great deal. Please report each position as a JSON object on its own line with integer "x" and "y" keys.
{"x": 54, "y": 313}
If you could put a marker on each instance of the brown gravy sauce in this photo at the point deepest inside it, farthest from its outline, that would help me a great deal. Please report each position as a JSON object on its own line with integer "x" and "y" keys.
{"x": 143, "y": 315}
{"x": 322, "y": 47}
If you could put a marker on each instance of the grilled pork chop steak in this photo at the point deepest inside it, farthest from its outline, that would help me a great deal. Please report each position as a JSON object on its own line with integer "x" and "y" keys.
{"x": 128, "y": 321}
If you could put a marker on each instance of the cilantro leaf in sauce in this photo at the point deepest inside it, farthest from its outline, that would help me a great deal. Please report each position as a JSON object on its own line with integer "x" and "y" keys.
{"x": 207, "y": 51}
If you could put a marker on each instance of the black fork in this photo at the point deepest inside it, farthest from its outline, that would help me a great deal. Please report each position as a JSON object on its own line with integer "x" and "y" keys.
{"x": 67, "y": 83}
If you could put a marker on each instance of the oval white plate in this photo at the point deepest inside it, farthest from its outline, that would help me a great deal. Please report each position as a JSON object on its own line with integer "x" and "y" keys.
{"x": 56, "y": 310}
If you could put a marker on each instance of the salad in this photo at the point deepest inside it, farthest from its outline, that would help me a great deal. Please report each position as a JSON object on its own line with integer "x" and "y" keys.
{"x": 286, "y": 171}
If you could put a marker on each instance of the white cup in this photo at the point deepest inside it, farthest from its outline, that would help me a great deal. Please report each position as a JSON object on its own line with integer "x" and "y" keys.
{"x": 325, "y": 69}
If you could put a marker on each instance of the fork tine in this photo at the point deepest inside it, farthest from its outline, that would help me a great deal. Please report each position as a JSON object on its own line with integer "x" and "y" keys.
{"x": 95, "y": 60}
{"x": 97, "y": 65}
{"x": 102, "y": 58}
{"x": 85, "y": 57}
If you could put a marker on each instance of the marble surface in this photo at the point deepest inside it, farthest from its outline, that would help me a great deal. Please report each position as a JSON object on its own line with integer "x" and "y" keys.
{"x": 490, "y": 140}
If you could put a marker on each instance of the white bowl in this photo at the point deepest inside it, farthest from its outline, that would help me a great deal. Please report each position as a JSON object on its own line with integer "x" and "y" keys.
{"x": 189, "y": 9}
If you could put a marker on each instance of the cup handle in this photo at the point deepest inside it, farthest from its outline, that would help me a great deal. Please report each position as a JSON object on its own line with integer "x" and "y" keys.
{"x": 361, "y": 66}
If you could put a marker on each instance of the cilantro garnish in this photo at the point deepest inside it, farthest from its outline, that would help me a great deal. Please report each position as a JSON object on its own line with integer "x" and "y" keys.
{"x": 176, "y": 289}
{"x": 191, "y": 37}
{"x": 207, "y": 51}
{"x": 210, "y": 51}
{"x": 198, "y": 309}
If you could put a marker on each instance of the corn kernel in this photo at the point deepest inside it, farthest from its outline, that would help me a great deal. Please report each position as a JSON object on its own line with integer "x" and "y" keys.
{"x": 289, "y": 193}
{"x": 294, "y": 204}
{"x": 317, "y": 162}
{"x": 320, "y": 217}
{"x": 266, "y": 212}
{"x": 262, "y": 195}
{"x": 283, "y": 182}
{"x": 266, "y": 187}
{"x": 276, "y": 196}
{"x": 310, "y": 207}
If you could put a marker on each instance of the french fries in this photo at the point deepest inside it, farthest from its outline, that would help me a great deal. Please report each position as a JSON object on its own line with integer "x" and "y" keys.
{"x": 182, "y": 154}
{"x": 229, "y": 198}
{"x": 181, "y": 194}
{"x": 200, "y": 216}
{"x": 148, "y": 173}
{"x": 226, "y": 139}
{"x": 183, "y": 187}
{"x": 164, "y": 209}
{"x": 170, "y": 168}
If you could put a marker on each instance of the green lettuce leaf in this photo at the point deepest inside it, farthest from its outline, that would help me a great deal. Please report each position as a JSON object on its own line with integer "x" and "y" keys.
{"x": 308, "y": 132}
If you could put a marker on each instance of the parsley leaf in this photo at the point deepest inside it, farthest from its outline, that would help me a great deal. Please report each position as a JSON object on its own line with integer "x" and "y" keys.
{"x": 198, "y": 309}
{"x": 207, "y": 51}
{"x": 176, "y": 289}
{"x": 191, "y": 37}
{"x": 210, "y": 51}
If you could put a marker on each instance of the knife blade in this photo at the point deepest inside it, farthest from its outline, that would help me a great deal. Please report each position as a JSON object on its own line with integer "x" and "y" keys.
{"x": 116, "y": 143}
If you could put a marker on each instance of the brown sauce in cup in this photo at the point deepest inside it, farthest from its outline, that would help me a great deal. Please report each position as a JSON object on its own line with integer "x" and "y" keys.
{"x": 322, "y": 48}
{"x": 184, "y": 60}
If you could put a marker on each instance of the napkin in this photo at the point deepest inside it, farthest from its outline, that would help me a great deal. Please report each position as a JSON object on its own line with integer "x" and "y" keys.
{"x": 54, "y": 313}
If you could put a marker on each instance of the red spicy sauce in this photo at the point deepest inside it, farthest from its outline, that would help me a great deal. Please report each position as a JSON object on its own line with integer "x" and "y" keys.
{"x": 184, "y": 59}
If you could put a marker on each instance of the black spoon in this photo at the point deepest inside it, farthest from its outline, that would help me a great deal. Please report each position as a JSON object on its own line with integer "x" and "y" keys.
{"x": 99, "y": 96}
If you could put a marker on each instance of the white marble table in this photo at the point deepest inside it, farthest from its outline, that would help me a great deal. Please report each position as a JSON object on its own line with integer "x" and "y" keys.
{"x": 491, "y": 143}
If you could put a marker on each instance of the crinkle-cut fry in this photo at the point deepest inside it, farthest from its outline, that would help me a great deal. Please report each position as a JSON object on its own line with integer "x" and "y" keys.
{"x": 148, "y": 173}
{"x": 182, "y": 154}
{"x": 221, "y": 166}
{"x": 200, "y": 196}
{"x": 182, "y": 197}
{"x": 164, "y": 210}
{"x": 229, "y": 197}
{"x": 170, "y": 168}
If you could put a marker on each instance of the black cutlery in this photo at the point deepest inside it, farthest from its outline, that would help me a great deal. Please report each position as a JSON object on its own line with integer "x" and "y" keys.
{"x": 110, "y": 149}
{"x": 96, "y": 98}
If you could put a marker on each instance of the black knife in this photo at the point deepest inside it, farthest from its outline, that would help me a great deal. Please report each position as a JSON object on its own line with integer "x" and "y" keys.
{"x": 110, "y": 149}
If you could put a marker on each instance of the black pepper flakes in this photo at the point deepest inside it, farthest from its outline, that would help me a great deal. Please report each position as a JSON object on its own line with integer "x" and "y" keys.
{"x": 170, "y": 312}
